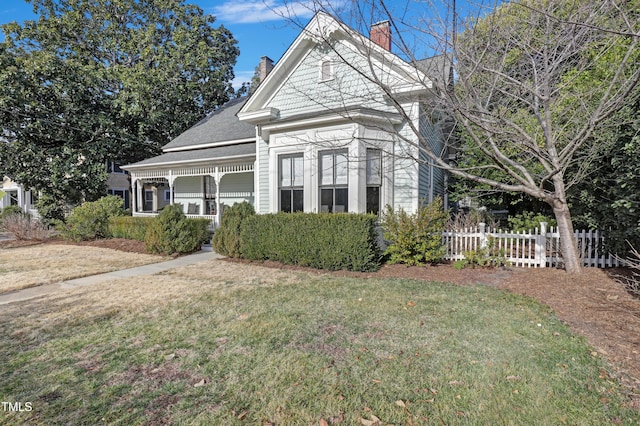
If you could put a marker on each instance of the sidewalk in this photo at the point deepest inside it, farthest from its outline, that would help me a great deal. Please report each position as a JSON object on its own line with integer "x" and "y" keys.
{"x": 154, "y": 268}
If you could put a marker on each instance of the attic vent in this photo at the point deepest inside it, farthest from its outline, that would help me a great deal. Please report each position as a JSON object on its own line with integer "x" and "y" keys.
{"x": 325, "y": 71}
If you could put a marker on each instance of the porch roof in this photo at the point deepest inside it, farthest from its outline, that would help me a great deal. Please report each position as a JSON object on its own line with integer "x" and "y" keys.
{"x": 207, "y": 155}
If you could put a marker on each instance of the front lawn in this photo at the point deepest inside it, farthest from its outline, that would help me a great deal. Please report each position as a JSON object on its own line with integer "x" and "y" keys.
{"x": 226, "y": 343}
{"x": 23, "y": 267}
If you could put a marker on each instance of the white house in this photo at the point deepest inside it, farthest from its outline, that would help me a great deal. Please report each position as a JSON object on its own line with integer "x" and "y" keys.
{"x": 14, "y": 194}
{"x": 320, "y": 134}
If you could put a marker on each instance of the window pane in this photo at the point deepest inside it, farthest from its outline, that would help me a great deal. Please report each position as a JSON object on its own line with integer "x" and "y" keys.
{"x": 298, "y": 201}
{"x": 342, "y": 170}
{"x": 326, "y": 200}
{"x": 326, "y": 70}
{"x": 298, "y": 171}
{"x": 326, "y": 168}
{"x": 373, "y": 200}
{"x": 374, "y": 176}
{"x": 342, "y": 200}
{"x": 285, "y": 200}
{"x": 285, "y": 171}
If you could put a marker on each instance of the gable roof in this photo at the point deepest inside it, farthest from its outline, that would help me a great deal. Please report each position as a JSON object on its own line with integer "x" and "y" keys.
{"x": 219, "y": 127}
{"x": 320, "y": 29}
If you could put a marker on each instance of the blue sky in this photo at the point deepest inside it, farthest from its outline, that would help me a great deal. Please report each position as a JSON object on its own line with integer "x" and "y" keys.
{"x": 257, "y": 25}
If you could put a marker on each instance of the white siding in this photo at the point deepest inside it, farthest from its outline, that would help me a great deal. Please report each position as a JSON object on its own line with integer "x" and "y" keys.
{"x": 187, "y": 190}
{"x": 236, "y": 188}
{"x": 303, "y": 92}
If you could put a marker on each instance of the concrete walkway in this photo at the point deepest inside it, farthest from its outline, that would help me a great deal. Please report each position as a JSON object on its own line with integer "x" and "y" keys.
{"x": 151, "y": 269}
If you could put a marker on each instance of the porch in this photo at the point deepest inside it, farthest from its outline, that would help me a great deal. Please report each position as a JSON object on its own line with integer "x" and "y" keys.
{"x": 201, "y": 191}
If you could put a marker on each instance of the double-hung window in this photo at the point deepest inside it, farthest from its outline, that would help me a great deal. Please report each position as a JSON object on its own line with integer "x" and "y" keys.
{"x": 334, "y": 182}
{"x": 291, "y": 183}
{"x": 374, "y": 180}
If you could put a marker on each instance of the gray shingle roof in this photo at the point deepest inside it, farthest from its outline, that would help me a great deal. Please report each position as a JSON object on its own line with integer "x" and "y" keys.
{"x": 219, "y": 126}
{"x": 197, "y": 155}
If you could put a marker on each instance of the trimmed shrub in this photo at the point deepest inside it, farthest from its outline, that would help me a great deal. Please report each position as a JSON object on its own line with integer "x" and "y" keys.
{"x": 90, "y": 220}
{"x": 226, "y": 239}
{"x": 128, "y": 227}
{"x": 324, "y": 241}
{"x": 172, "y": 232}
{"x": 415, "y": 239}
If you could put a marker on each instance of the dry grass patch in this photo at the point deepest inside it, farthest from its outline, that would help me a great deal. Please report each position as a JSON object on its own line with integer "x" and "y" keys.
{"x": 149, "y": 294}
{"x": 224, "y": 343}
{"x": 31, "y": 266}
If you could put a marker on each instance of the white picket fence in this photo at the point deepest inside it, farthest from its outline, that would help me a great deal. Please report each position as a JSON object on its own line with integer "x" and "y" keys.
{"x": 538, "y": 248}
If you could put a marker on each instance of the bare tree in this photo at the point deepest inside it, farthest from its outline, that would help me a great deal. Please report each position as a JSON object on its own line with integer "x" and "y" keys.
{"x": 525, "y": 87}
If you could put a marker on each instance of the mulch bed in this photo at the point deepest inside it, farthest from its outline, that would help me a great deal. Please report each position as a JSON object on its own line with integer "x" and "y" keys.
{"x": 592, "y": 303}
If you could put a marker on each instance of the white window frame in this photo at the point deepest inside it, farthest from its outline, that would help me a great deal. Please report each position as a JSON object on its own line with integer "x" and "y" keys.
{"x": 292, "y": 186}
{"x": 334, "y": 186}
{"x": 322, "y": 76}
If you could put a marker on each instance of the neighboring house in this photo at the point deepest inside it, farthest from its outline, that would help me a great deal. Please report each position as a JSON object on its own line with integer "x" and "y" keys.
{"x": 13, "y": 194}
{"x": 315, "y": 136}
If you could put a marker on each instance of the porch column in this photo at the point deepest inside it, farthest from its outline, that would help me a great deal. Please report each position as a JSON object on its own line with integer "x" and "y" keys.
{"x": 218, "y": 205}
{"x": 171, "y": 180}
{"x": 21, "y": 199}
{"x": 134, "y": 184}
{"x": 140, "y": 200}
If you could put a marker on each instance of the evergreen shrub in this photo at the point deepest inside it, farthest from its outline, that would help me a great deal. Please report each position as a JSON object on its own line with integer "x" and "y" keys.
{"x": 415, "y": 239}
{"x": 90, "y": 220}
{"x": 129, "y": 227}
{"x": 324, "y": 241}
{"x": 172, "y": 232}
{"x": 226, "y": 239}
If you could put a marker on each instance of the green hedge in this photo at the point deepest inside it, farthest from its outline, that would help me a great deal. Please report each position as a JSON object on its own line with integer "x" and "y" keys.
{"x": 129, "y": 227}
{"x": 325, "y": 241}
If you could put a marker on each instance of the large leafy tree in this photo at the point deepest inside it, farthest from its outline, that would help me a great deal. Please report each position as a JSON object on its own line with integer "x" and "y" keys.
{"x": 97, "y": 80}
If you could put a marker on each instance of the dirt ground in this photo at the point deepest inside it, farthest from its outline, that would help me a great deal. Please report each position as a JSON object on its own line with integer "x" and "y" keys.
{"x": 592, "y": 303}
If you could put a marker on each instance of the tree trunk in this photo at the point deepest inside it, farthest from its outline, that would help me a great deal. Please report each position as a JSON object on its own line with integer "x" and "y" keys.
{"x": 568, "y": 244}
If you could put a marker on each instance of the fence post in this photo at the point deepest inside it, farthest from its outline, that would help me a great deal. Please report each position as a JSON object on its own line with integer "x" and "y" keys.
{"x": 483, "y": 235}
{"x": 541, "y": 245}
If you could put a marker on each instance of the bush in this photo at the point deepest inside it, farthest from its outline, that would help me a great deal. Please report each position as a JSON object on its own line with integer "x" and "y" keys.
{"x": 527, "y": 221}
{"x": 325, "y": 241}
{"x": 91, "y": 219}
{"x": 10, "y": 211}
{"x": 128, "y": 227}
{"x": 24, "y": 227}
{"x": 52, "y": 210}
{"x": 172, "y": 232}
{"x": 417, "y": 238}
{"x": 489, "y": 256}
{"x": 226, "y": 239}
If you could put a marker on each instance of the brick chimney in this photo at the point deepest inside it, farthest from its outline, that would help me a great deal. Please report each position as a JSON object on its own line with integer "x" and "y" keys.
{"x": 380, "y": 34}
{"x": 266, "y": 65}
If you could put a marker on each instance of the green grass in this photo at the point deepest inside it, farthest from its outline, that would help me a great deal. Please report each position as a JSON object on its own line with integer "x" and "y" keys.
{"x": 337, "y": 349}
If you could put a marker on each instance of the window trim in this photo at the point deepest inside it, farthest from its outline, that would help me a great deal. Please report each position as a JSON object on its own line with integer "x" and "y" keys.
{"x": 322, "y": 76}
{"x": 333, "y": 186}
{"x": 292, "y": 188}
{"x": 373, "y": 185}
